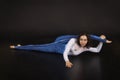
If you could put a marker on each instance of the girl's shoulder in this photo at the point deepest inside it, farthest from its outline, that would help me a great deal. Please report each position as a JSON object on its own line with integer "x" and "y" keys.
{"x": 73, "y": 39}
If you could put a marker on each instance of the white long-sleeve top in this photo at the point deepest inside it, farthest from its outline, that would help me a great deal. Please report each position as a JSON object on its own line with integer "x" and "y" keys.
{"x": 72, "y": 48}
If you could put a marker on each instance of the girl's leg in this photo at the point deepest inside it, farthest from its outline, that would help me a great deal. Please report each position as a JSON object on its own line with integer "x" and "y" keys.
{"x": 65, "y": 37}
{"x": 60, "y": 47}
{"x": 51, "y": 47}
{"x": 44, "y": 47}
{"x": 94, "y": 37}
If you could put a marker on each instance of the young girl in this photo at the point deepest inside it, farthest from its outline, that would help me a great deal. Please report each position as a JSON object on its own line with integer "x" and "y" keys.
{"x": 68, "y": 45}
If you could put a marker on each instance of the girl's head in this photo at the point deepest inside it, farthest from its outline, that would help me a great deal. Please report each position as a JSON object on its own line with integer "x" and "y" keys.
{"x": 83, "y": 40}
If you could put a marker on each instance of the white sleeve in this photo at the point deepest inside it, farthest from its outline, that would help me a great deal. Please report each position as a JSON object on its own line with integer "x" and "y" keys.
{"x": 96, "y": 49}
{"x": 67, "y": 49}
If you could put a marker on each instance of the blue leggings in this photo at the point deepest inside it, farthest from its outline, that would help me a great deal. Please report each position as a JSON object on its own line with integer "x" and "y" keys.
{"x": 58, "y": 46}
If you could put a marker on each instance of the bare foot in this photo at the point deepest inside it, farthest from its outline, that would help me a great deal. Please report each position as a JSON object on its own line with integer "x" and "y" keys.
{"x": 12, "y": 46}
{"x": 103, "y": 37}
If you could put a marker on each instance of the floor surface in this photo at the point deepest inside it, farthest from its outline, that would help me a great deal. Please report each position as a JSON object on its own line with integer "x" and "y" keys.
{"x": 30, "y": 65}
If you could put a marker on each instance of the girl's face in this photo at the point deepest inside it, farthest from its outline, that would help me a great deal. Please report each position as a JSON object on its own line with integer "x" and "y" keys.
{"x": 83, "y": 40}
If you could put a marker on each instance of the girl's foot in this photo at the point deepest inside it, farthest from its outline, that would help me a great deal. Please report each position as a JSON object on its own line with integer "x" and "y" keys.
{"x": 12, "y": 46}
{"x": 104, "y": 37}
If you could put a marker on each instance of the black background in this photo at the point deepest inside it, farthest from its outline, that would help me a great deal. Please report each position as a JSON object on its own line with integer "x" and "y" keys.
{"x": 36, "y": 21}
{"x": 36, "y": 18}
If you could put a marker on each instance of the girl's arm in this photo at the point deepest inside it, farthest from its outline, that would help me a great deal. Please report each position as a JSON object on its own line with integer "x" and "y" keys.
{"x": 67, "y": 51}
{"x": 96, "y": 49}
{"x": 102, "y": 39}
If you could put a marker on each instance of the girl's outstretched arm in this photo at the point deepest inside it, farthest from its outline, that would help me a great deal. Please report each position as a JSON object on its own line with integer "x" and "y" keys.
{"x": 99, "y": 47}
{"x": 67, "y": 51}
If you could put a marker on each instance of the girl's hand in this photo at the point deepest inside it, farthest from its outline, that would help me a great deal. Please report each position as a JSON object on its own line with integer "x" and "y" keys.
{"x": 108, "y": 41}
{"x": 69, "y": 64}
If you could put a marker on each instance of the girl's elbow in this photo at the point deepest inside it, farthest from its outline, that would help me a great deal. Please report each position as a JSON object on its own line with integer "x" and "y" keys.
{"x": 97, "y": 51}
